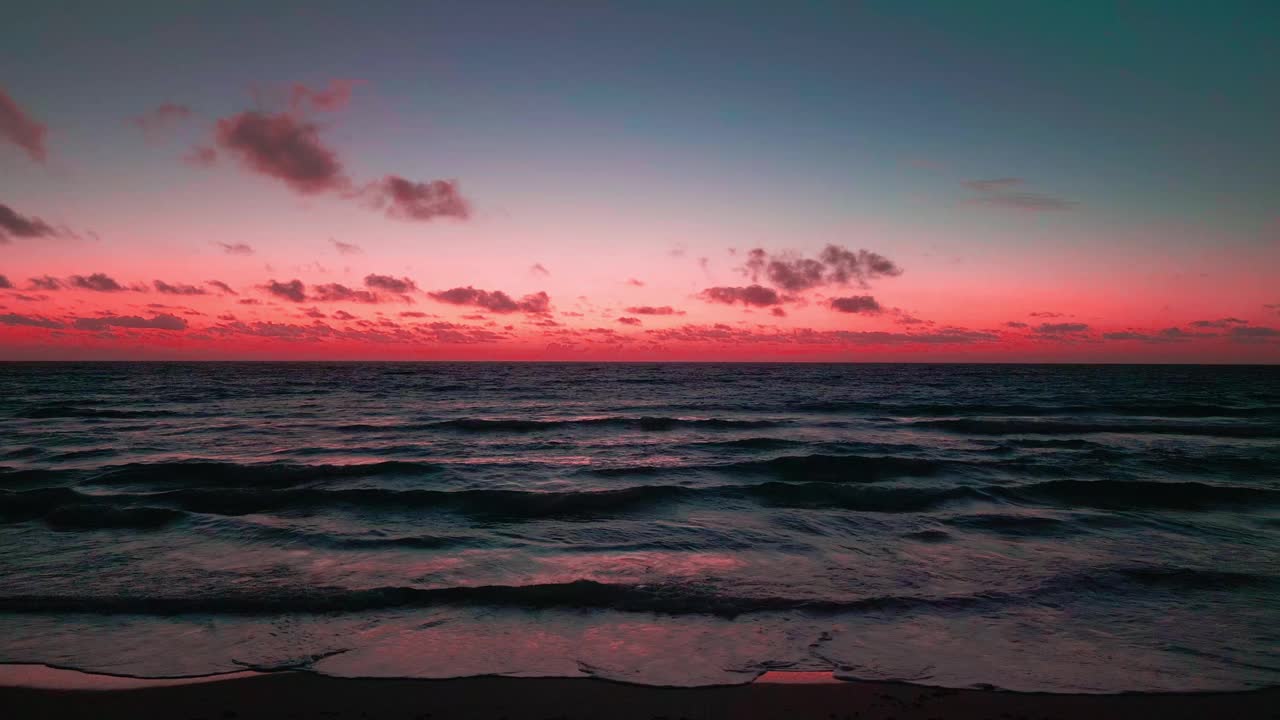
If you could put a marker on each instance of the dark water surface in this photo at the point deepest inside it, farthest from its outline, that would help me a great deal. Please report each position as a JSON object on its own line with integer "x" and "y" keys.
{"x": 1030, "y": 527}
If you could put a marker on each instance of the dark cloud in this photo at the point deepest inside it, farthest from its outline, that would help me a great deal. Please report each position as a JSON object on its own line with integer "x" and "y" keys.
{"x": 1167, "y": 335}
{"x": 429, "y": 200}
{"x": 336, "y": 97}
{"x": 1221, "y": 323}
{"x": 778, "y": 312}
{"x": 343, "y": 315}
{"x": 163, "y": 119}
{"x": 345, "y": 248}
{"x": 635, "y": 283}
{"x": 16, "y": 225}
{"x": 19, "y": 128}
{"x": 835, "y": 265}
{"x": 29, "y": 321}
{"x": 390, "y": 284}
{"x": 1015, "y": 324}
{"x": 651, "y": 310}
{"x": 159, "y": 322}
{"x": 221, "y": 287}
{"x": 283, "y": 147}
{"x": 539, "y": 269}
{"x": 97, "y": 282}
{"x": 178, "y": 289}
{"x": 236, "y": 248}
{"x": 725, "y": 334}
{"x": 45, "y": 282}
{"x": 494, "y": 301}
{"x": 864, "y": 304}
{"x": 293, "y": 291}
{"x": 1002, "y": 193}
{"x": 413, "y": 314}
{"x": 756, "y": 295}
{"x": 629, "y": 320}
{"x": 1253, "y": 334}
{"x": 1044, "y": 314}
{"x": 335, "y": 292}
{"x": 1060, "y": 328}
{"x": 4, "y": 283}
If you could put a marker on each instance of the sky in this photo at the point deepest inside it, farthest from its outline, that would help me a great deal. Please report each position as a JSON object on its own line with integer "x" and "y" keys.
{"x": 720, "y": 181}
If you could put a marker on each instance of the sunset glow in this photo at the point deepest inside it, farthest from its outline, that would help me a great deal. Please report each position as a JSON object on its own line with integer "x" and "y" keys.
{"x": 585, "y": 185}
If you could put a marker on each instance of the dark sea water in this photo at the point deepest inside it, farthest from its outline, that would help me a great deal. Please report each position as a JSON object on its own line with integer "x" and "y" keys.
{"x": 1061, "y": 528}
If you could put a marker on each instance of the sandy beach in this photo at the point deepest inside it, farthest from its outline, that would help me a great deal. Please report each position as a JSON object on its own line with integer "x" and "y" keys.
{"x": 777, "y": 695}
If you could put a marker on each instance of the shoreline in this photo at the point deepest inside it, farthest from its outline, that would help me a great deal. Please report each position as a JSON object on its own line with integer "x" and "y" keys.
{"x": 774, "y": 695}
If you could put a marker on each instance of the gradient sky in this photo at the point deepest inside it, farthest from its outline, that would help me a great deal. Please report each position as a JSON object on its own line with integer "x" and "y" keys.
{"x": 1090, "y": 181}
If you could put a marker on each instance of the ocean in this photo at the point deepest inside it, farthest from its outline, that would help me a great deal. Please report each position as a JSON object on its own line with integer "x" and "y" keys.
{"x": 1045, "y": 528}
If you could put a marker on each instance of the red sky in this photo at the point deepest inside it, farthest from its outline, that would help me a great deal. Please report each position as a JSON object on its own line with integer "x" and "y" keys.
{"x": 575, "y": 194}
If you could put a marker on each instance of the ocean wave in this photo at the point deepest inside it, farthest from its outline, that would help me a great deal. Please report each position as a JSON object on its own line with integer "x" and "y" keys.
{"x": 577, "y": 595}
{"x": 47, "y": 412}
{"x": 198, "y": 473}
{"x": 799, "y": 468}
{"x": 976, "y": 426}
{"x": 96, "y": 517}
{"x": 959, "y": 408}
{"x": 648, "y": 423}
{"x": 1140, "y": 494}
{"x": 669, "y": 599}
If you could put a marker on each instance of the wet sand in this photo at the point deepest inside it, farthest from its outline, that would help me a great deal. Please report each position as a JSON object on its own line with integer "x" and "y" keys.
{"x": 778, "y": 695}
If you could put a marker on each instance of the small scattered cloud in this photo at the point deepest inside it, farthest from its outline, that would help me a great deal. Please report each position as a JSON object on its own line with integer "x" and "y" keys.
{"x": 1005, "y": 193}
{"x": 863, "y": 304}
{"x": 1060, "y": 328}
{"x": 835, "y": 265}
{"x": 1253, "y": 334}
{"x": 21, "y": 129}
{"x": 333, "y": 98}
{"x": 5, "y": 284}
{"x": 162, "y": 321}
{"x": 1016, "y": 325}
{"x": 336, "y": 292}
{"x": 236, "y": 248}
{"x": 1220, "y": 323}
{"x": 751, "y": 295}
{"x": 540, "y": 270}
{"x": 97, "y": 282}
{"x": 221, "y": 287}
{"x": 282, "y": 147}
{"x": 652, "y": 310}
{"x": 29, "y": 321}
{"x": 178, "y": 288}
{"x": 293, "y": 291}
{"x": 423, "y": 201}
{"x": 635, "y": 283}
{"x": 345, "y": 248}
{"x": 1045, "y": 314}
{"x": 13, "y": 224}
{"x": 45, "y": 282}
{"x": 388, "y": 283}
{"x": 629, "y": 320}
{"x": 494, "y": 301}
